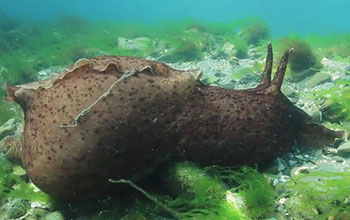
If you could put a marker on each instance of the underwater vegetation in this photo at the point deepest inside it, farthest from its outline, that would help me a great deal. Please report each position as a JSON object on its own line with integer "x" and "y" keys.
{"x": 320, "y": 195}
{"x": 211, "y": 198}
{"x": 336, "y": 108}
{"x": 16, "y": 192}
{"x": 253, "y": 187}
{"x": 14, "y": 183}
{"x": 335, "y": 46}
{"x": 204, "y": 194}
{"x": 183, "y": 50}
{"x": 255, "y": 32}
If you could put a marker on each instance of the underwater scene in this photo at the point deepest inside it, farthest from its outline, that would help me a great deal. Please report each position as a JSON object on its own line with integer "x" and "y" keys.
{"x": 174, "y": 110}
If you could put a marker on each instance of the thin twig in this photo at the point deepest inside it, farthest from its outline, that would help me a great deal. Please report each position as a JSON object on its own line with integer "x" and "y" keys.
{"x": 133, "y": 185}
{"x": 84, "y": 112}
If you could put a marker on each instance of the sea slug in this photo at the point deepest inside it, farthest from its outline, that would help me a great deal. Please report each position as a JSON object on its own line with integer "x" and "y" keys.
{"x": 119, "y": 117}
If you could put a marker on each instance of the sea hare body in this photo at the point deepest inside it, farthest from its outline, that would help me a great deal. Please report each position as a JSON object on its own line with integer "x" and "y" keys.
{"x": 118, "y": 117}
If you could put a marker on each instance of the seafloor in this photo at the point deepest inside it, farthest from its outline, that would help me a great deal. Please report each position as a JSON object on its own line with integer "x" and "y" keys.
{"x": 302, "y": 184}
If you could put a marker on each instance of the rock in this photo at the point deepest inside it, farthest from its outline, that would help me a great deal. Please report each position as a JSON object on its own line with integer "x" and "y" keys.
{"x": 301, "y": 75}
{"x": 278, "y": 165}
{"x": 316, "y": 79}
{"x": 303, "y": 169}
{"x": 254, "y": 52}
{"x": 140, "y": 43}
{"x": 210, "y": 68}
{"x": 229, "y": 50}
{"x": 282, "y": 201}
{"x": 338, "y": 159}
{"x": 322, "y": 209}
{"x": 284, "y": 179}
{"x": 49, "y": 72}
{"x": 7, "y": 128}
{"x": 292, "y": 162}
{"x": 347, "y": 69}
{"x": 54, "y": 216}
{"x": 344, "y": 149}
{"x": 234, "y": 61}
{"x": 347, "y": 201}
{"x": 289, "y": 91}
{"x": 279, "y": 216}
{"x": 329, "y": 151}
{"x": 249, "y": 79}
{"x": 229, "y": 85}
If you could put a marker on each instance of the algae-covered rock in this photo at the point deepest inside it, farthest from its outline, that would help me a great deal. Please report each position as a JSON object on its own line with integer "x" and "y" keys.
{"x": 303, "y": 61}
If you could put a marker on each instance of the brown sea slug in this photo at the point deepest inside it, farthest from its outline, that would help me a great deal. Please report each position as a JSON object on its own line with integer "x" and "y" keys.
{"x": 118, "y": 117}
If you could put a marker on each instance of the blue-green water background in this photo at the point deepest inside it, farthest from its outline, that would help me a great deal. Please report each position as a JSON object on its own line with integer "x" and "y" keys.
{"x": 283, "y": 16}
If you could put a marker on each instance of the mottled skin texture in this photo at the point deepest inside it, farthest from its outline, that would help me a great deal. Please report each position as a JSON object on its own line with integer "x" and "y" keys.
{"x": 119, "y": 117}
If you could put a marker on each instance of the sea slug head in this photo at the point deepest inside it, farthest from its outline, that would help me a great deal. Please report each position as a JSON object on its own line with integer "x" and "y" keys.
{"x": 309, "y": 132}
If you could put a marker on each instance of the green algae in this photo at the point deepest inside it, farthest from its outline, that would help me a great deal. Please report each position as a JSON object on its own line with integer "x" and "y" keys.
{"x": 19, "y": 198}
{"x": 184, "y": 50}
{"x": 335, "y": 46}
{"x": 252, "y": 186}
{"x": 211, "y": 192}
{"x": 319, "y": 195}
{"x": 256, "y": 192}
{"x": 255, "y": 32}
{"x": 14, "y": 184}
{"x": 6, "y": 111}
{"x": 337, "y": 104}
{"x": 303, "y": 61}
{"x": 206, "y": 198}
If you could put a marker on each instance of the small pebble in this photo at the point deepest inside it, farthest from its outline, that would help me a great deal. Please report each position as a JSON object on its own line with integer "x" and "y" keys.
{"x": 282, "y": 201}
